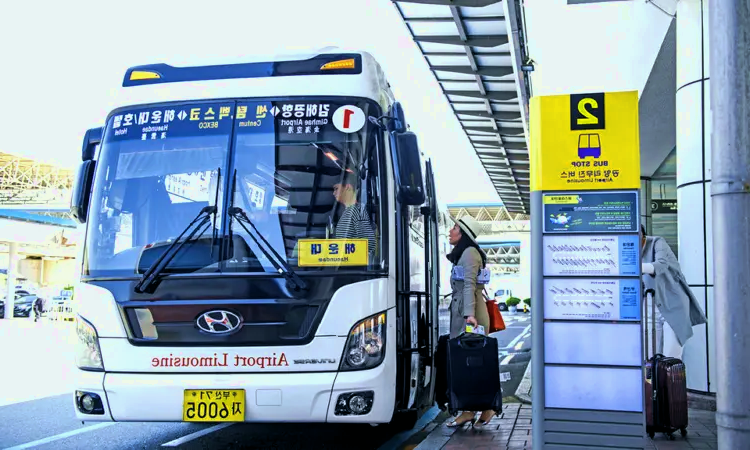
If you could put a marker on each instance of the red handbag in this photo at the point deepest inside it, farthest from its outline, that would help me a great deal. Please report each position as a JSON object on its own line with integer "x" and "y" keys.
{"x": 496, "y": 319}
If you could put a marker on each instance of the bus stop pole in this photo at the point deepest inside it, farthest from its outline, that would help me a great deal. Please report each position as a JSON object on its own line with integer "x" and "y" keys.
{"x": 729, "y": 23}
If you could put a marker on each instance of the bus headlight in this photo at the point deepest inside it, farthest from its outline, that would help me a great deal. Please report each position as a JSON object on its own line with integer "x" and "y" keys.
{"x": 88, "y": 353}
{"x": 365, "y": 347}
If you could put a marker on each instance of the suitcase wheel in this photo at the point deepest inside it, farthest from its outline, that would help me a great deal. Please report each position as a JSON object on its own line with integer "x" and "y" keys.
{"x": 651, "y": 434}
{"x": 670, "y": 436}
{"x": 683, "y": 432}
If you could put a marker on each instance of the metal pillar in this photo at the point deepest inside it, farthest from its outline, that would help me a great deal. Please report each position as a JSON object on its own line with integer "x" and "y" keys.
{"x": 10, "y": 295}
{"x": 730, "y": 104}
{"x": 537, "y": 325}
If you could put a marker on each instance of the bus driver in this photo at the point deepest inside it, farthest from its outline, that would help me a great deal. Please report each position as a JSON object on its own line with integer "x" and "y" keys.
{"x": 354, "y": 223}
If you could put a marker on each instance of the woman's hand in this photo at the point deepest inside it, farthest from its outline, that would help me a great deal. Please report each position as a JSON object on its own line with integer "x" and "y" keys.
{"x": 471, "y": 320}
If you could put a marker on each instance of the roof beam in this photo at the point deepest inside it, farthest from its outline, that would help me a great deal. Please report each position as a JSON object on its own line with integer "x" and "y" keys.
{"x": 460, "y": 53}
{"x": 449, "y": 19}
{"x": 474, "y": 3}
{"x": 489, "y": 95}
{"x": 502, "y": 115}
{"x": 485, "y": 71}
{"x": 503, "y": 131}
{"x": 515, "y": 145}
{"x": 473, "y": 41}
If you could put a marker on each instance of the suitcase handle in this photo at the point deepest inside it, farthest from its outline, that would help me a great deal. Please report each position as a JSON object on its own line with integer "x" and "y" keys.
{"x": 471, "y": 340}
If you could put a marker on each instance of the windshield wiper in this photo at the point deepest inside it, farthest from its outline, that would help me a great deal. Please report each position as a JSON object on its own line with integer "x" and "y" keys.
{"x": 277, "y": 261}
{"x": 153, "y": 272}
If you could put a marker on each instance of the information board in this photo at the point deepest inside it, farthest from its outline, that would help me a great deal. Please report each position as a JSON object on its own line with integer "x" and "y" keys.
{"x": 576, "y": 255}
{"x": 586, "y": 269}
{"x": 591, "y": 212}
{"x": 592, "y": 299}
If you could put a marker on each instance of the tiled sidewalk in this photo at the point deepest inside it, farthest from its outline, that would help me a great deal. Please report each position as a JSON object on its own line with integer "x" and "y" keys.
{"x": 701, "y": 433}
{"x": 512, "y": 430}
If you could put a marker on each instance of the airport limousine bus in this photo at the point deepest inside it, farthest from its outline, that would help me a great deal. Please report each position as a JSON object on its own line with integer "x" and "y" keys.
{"x": 262, "y": 245}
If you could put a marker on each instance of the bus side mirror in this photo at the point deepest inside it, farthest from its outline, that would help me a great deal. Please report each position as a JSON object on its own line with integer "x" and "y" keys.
{"x": 79, "y": 201}
{"x": 398, "y": 124}
{"x": 92, "y": 138}
{"x": 409, "y": 169}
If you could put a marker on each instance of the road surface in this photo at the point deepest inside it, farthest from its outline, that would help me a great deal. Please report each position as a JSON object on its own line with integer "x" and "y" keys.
{"x": 36, "y": 409}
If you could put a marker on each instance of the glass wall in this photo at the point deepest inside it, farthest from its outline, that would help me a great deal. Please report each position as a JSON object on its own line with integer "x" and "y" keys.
{"x": 659, "y": 209}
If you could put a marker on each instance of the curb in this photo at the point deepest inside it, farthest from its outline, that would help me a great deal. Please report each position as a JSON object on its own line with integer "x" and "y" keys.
{"x": 697, "y": 400}
{"x": 399, "y": 440}
{"x": 523, "y": 393}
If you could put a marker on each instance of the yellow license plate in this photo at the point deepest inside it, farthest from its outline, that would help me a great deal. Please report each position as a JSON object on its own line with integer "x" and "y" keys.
{"x": 213, "y": 405}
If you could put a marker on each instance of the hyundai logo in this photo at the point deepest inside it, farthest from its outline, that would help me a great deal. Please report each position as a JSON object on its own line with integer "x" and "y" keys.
{"x": 219, "y": 322}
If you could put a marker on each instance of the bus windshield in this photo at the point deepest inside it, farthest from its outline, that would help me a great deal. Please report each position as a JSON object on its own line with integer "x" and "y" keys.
{"x": 302, "y": 177}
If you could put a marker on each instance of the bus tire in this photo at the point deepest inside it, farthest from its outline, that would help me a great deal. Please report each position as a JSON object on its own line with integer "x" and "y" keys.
{"x": 404, "y": 421}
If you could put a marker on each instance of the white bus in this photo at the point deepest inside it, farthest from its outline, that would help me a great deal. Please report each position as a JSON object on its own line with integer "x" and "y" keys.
{"x": 261, "y": 246}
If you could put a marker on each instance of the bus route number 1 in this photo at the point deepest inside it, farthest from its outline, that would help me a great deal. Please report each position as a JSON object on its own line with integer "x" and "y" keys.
{"x": 587, "y": 111}
{"x": 349, "y": 119}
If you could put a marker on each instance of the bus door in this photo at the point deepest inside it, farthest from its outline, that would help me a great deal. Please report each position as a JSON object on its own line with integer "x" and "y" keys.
{"x": 415, "y": 284}
{"x": 422, "y": 304}
{"x": 430, "y": 319}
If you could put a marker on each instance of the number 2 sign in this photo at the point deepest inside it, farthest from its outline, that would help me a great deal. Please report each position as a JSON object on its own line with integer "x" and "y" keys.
{"x": 349, "y": 119}
{"x": 587, "y": 111}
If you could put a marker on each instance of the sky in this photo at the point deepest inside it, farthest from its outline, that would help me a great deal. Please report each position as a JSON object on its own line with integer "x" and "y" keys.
{"x": 60, "y": 74}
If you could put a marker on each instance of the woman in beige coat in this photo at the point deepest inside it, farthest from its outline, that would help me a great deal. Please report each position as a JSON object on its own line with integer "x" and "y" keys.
{"x": 467, "y": 304}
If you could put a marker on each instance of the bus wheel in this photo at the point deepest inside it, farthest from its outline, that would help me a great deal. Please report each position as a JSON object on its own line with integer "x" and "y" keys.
{"x": 403, "y": 421}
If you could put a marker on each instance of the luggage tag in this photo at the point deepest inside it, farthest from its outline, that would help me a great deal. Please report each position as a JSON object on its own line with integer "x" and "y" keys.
{"x": 483, "y": 276}
{"x": 479, "y": 329}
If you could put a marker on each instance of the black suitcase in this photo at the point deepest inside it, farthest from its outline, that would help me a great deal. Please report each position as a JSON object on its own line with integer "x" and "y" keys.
{"x": 473, "y": 381}
{"x": 441, "y": 372}
{"x": 666, "y": 385}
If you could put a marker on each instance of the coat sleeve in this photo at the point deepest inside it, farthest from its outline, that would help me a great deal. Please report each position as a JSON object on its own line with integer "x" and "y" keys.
{"x": 664, "y": 258}
{"x": 470, "y": 261}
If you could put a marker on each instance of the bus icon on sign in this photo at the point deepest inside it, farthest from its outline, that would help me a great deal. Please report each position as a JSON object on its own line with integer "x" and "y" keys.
{"x": 589, "y": 145}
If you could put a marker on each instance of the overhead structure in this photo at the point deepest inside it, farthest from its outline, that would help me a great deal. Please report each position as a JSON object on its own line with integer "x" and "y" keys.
{"x": 502, "y": 234}
{"x": 25, "y": 183}
{"x": 503, "y": 253}
{"x": 495, "y": 220}
{"x": 477, "y": 51}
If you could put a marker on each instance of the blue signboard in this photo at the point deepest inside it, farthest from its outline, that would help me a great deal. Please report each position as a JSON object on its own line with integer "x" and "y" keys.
{"x": 630, "y": 299}
{"x": 591, "y": 212}
{"x": 592, "y": 299}
{"x": 599, "y": 255}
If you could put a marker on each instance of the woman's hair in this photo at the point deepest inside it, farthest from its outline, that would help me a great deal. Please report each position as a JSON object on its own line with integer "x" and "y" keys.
{"x": 464, "y": 243}
{"x": 643, "y": 231}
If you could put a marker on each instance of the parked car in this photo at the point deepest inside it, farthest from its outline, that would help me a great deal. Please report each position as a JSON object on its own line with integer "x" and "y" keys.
{"x": 500, "y": 296}
{"x": 23, "y": 304}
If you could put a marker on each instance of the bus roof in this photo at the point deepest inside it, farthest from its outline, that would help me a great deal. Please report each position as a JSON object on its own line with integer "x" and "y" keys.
{"x": 329, "y": 72}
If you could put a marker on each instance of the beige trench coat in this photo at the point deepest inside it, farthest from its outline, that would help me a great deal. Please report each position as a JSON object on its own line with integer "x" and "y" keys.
{"x": 467, "y": 299}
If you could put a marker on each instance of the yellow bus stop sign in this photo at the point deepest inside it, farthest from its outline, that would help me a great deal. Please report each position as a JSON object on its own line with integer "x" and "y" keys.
{"x": 585, "y": 142}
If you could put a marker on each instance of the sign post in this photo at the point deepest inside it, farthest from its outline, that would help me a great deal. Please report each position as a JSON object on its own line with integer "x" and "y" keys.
{"x": 587, "y": 357}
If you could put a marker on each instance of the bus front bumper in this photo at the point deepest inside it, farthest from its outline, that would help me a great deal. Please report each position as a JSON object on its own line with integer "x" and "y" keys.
{"x": 269, "y": 397}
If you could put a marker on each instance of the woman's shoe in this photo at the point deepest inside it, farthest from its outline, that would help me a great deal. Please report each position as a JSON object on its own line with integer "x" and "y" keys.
{"x": 462, "y": 420}
{"x": 484, "y": 419}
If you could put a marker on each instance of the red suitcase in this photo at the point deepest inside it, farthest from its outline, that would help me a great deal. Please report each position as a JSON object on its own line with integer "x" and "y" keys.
{"x": 666, "y": 386}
